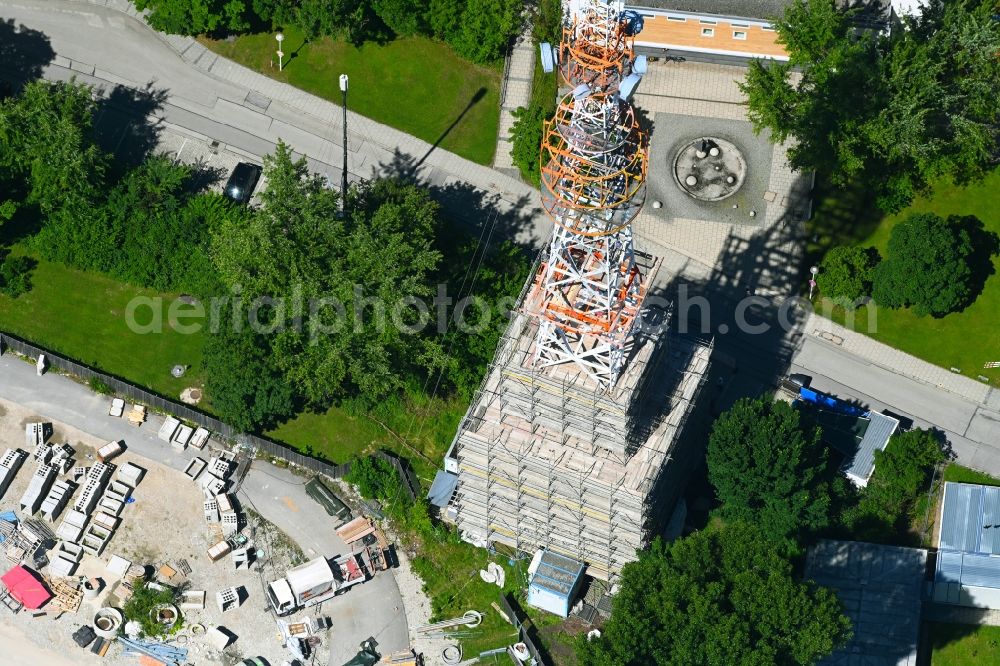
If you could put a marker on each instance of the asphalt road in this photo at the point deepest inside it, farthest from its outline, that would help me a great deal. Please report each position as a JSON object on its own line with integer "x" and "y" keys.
{"x": 372, "y": 609}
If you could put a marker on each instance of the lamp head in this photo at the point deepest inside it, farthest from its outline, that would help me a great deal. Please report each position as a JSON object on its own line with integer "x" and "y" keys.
{"x": 343, "y": 83}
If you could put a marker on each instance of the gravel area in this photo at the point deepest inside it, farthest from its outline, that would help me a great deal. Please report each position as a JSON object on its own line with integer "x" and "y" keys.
{"x": 164, "y": 525}
{"x": 671, "y": 132}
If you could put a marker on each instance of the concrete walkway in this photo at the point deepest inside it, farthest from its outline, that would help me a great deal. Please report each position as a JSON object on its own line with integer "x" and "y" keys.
{"x": 516, "y": 93}
{"x": 372, "y": 609}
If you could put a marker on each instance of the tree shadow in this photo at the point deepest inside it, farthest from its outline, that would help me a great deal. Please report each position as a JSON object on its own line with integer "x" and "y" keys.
{"x": 476, "y": 98}
{"x": 24, "y": 53}
{"x": 504, "y": 218}
{"x": 126, "y": 125}
{"x": 204, "y": 176}
{"x": 986, "y": 245}
{"x": 840, "y": 216}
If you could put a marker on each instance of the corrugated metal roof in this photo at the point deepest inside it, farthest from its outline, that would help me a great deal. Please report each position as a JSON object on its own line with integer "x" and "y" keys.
{"x": 970, "y": 519}
{"x": 879, "y": 587}
{"x": 960, "y": 517}
{"x": 442, "y": 488}
{"x": 970, "y": 569}
{"x": 989, "y": 525}
{"x": 880, "y": 429}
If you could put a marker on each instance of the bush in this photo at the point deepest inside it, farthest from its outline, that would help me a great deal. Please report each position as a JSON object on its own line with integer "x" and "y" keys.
{"x": 375, "y": 477}
{"x": 927, "y": 266}
{"x": 526, "y": 141}
{"x": 15, "y": 275}
{"x": 99, "y": 386}
{"x": 901, "y": 474}
{"x": 145, "y": 599}
{"x": 847, "y": 274}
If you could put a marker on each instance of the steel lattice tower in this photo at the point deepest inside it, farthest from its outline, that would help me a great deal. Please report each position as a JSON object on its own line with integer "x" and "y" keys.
{"x": 588, "y": 291}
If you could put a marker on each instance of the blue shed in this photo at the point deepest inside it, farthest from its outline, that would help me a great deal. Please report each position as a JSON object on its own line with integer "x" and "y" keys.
{"x": 555, "y": 580}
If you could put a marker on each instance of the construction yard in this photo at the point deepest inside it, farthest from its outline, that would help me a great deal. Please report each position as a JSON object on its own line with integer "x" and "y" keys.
{"x": 164, "y": 531}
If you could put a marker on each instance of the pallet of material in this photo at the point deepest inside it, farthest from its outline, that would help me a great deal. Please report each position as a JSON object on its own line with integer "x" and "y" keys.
{"x": 199, "y": 439}
{"x": 219, "y": 550}
{"x": 117, "y": 408}
{"x": 169, "y": 427}
{"x": 10, "y": 464}
{"x": 110, "y": 451}
{"x": 138, "y": 415}
{"x": 130, "y": 474}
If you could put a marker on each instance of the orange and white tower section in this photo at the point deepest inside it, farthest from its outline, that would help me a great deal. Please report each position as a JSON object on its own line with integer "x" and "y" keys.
{"x": 588, "y": 291}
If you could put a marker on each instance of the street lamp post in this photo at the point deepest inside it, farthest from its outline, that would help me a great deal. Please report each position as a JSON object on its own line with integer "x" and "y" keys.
{"x": 280, "y": 37}
{"x": 343, "y": 181}
{"x": 812, "y": 280}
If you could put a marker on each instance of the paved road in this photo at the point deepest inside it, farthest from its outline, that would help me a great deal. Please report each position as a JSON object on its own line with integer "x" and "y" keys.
{"x": 372, "y": 609}
{"x": 104, "y": 47}
{"x": 973, "y": 429}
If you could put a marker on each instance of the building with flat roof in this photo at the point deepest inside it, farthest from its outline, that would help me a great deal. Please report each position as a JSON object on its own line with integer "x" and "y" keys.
{"x": 968, "y": 558}
{"x": 730, "y": 30}
{"x": 880, "y": 589}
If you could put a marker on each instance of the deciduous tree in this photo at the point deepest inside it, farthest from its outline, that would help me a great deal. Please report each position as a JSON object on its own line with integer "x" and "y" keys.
{"x": 927, "y": 266}
{"x": 721, "y": 596}
{"x": 847, "y": 273}
{"x": 768, "y": 471}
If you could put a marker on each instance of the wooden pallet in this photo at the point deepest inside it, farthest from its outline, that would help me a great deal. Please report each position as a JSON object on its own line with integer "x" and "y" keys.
{"x": 67, "y": 597}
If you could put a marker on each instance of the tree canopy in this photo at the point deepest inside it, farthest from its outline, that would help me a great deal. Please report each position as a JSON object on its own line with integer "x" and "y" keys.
{"x": 720, "y": 597}
{"x": 927, "y": 266}
{"x": 847, "y": 273}
{"x": 768, "y": 471}
{"x": 479, "y": 30}
{"x": 902, "y": 472}
{"x": 894, "y": 111}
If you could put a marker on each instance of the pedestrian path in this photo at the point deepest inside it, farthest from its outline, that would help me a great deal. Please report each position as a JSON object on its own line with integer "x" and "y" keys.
{"x": 516, "y": 93}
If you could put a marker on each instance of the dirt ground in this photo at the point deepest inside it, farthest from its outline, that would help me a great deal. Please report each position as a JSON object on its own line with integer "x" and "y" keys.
{"x": 164, "y": 525}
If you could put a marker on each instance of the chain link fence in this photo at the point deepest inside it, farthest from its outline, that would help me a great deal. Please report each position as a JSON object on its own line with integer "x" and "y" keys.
{"x": 135, "y": 394}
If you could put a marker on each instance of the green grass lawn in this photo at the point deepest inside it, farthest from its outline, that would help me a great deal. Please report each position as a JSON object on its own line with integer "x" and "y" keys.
{"x": 415, "y": 84}
{"x": 964, "y": 645}
{"x": 965, "y": 340}
{"x": 959, "y": 474}
{"x": 82, "y": 315}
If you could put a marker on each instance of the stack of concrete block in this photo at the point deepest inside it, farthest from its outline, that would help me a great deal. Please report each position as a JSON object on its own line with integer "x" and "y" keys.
{"x": 211, "y": 484}
{"x": 130, "y": 474}
{"x": 227, "y": 514}
{"x": 34, "y": 435}
{"x": 64, "y": 559}
{"x": 80, "y": 473}
{"x": 194, "y": 468}
{"x": 62, "y": 458}
{"x": 10, "y": 464}
{"x": 228, "y": 598}
{"x": 169, "y": 427}
{"x": 211, "y": 509}
{"x": 93, "y": 486}
{"x": 38, "y": 488}
{"x": 181, "y": 437}
{"x": 72, "y": 526}
{"x": 57, "y": 499}
{"x": 114, "y": 497}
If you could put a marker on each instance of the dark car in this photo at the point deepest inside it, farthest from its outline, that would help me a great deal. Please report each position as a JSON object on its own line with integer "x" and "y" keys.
{"x": 242, "y": 182}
